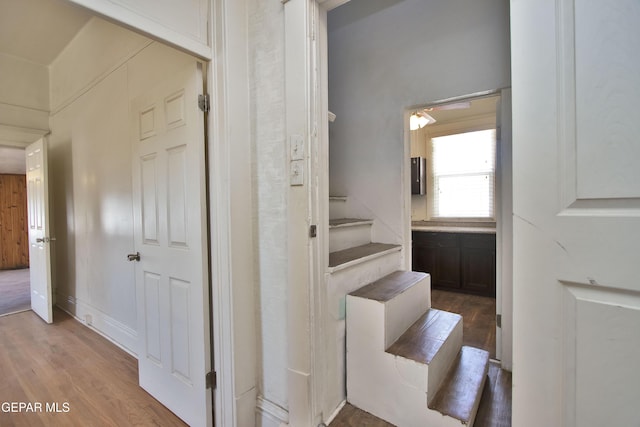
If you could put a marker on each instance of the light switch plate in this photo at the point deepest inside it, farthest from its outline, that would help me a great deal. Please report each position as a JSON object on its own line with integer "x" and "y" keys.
{"x": 296, "y": 145}
{"x": 296, "y": 172}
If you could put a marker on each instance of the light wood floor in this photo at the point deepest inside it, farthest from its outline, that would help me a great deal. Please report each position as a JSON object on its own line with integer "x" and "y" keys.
{"x": 14, "y": 291}
{"x": 68, "y": 363}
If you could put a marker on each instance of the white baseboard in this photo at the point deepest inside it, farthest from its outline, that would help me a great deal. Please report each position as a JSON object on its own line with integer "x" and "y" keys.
{"x": 118, "y": 333}
{"x": 269, "y": 414}
{"x": 335, "y": 413}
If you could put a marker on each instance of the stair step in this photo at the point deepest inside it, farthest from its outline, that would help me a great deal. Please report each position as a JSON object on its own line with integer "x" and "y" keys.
{"x": 338, "y": 198}
{"x": 390, "y": 286}
{"x": 459, "y": 395}
{"x": 406, "y": 295}
{"x": 348, "y": 222}
{"x": 422, "y": 341}
{"x": 347, "y": 257}
{"x": 345, "y": 233}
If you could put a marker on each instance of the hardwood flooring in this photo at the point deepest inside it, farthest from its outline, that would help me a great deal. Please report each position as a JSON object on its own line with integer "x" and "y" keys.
{"x": 14, "y": 291}
{"x": 478, "y": 314}
{"x": 68, "y": 365}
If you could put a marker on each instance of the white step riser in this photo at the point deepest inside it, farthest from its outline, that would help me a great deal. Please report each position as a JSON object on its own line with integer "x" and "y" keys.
{"x": 349, "y": 236}
{"x": 339, "y": 284}
{"x": 387, "y": 386}
{"x": 443, "y": 360}
{"x": 337, "y": 208}
{"x": 391, "y": 387}
{"x": 345, "y": 281}
{"x": 403, "y": 310}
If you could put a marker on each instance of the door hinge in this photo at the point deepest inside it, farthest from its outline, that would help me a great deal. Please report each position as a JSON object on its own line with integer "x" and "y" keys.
{"x": 211, "y": 379}
{"x": 313, "y": 231}
{"x": 499, "y": 320}
{"x": 203, "y": 102}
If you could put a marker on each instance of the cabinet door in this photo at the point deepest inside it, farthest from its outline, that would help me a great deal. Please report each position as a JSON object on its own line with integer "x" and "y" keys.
{"x": 478, "y": 264}
{"x": 424, "y": 259}
{"x": 448, "y": 268}
{"x": 478, "y": 271}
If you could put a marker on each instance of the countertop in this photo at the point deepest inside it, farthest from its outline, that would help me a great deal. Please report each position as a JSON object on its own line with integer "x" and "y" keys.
{"x": 423, "y": 226}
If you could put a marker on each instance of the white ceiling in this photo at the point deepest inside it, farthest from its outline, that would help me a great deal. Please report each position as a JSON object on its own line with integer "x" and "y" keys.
{"x": 38, "y": 30}
{"x": 478, "y": 107}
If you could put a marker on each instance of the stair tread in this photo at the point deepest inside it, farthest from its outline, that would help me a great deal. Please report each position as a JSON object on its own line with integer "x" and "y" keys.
{"x": 422, "y": 341}
{"x": 390, "y": 286}
{"x": 345, "y": 222}
{"x": 347, "y": 255}
{"x": 461, "y": 389}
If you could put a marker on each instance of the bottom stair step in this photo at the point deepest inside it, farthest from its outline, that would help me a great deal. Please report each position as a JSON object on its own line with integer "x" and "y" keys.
{"x": 459, "y": 395}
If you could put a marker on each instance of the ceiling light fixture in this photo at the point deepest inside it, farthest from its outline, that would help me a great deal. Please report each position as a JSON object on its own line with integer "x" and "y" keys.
{"x": 420, "y": 119}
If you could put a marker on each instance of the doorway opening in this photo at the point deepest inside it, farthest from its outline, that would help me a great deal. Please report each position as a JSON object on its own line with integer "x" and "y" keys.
{"x": 14, "y": 240}
{"x": 455, "y": 207}
{"x": 84, "y": 77}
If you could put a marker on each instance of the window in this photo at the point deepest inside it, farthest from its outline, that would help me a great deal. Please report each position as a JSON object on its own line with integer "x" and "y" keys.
{"x": 463, "y": 168}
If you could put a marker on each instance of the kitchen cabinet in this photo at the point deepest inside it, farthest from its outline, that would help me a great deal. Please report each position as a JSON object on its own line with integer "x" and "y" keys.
{"x": 461, "y": 262}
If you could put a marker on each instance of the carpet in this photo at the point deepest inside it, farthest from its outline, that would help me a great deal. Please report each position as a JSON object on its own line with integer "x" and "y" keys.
{"x": 14, "y": 291}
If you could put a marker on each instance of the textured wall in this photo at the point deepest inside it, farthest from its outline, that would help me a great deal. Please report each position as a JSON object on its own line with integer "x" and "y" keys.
{"x": 266, "y": 65}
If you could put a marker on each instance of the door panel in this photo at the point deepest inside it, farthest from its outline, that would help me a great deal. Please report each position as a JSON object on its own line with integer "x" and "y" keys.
{"x": 576, "y": 212}
{"x": 39, "y": 239}
{"x": 170, "y": 235}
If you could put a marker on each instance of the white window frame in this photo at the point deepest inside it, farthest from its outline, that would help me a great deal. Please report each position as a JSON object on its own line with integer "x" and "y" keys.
{"x": 432, "y": 181}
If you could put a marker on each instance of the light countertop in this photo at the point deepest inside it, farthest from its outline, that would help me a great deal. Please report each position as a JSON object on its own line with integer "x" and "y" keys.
{"x": 422, "y": 226}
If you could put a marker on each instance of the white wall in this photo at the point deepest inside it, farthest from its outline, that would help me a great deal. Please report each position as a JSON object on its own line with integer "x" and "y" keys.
{"x": 385, "y": 57}
{"x": 92, "y": 83}
{"x": 266, "y": 24}
{"x": 24, "y": 100}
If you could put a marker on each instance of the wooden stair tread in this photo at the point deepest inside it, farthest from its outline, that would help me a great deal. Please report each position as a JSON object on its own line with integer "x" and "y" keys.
{"x": 461, "y": 389}
{"x": 346, "y": 256}
{"x": 347, "y": 222}
{"x": 422, "y": 341}
{"x": 390, "y": 286}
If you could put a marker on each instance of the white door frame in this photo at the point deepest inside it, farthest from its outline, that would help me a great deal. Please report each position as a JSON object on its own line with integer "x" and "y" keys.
{"x": 309, "y": 61}
{"x": 226, "y": 78}
{"x": 231, "y": 257}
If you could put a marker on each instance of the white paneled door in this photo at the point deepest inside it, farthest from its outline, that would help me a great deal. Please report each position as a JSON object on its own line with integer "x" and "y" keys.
{"x": 576, "y": 175}
{"x": 39, "y": 239}
{"x": 171, "y": 243}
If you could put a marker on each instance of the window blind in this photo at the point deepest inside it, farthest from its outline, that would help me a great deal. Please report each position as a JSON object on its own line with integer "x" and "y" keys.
{"x": 463, "y": 168}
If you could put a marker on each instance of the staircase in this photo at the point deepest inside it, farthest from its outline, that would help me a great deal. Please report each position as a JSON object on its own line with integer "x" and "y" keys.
{"x": 405, "y": 362}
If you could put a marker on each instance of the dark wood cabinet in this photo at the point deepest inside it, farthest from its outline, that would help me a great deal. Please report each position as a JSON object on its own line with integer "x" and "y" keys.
{"x": 463, "y": 262}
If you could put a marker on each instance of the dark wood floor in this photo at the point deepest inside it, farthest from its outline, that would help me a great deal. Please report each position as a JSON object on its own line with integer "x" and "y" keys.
{"x": 478, "y": 314}
{"x": 68, "y": 364}
{"x": 479, "y": 330}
